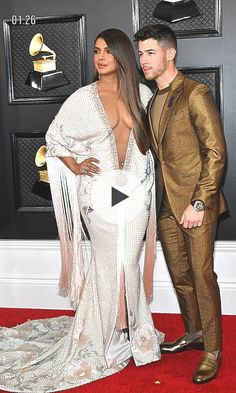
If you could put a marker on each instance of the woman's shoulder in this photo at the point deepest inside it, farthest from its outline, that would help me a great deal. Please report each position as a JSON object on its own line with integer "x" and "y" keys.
{"x": 145, "y": 94}
{"x": 79, "y": 97}
{"x": 84, "y": 91}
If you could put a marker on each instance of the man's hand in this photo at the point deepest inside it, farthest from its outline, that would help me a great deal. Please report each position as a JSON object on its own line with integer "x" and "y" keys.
{"x": 191, "y": 218}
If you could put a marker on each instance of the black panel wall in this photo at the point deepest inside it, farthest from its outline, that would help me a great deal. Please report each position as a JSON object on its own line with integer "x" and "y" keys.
{"x": 22, "y": 125}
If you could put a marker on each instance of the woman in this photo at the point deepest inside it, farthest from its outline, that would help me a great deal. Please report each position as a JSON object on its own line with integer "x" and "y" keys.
{"x": 100, "y": 128}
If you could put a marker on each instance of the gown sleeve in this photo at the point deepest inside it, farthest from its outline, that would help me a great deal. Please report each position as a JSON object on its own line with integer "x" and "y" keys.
{"x": 145, "y": 94}
{"x": 60, "y": 136}
{"x": 64, "y": 186}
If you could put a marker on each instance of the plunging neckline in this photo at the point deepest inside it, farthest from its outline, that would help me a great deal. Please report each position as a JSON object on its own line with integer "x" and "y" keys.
{"x": 111, "y": 133}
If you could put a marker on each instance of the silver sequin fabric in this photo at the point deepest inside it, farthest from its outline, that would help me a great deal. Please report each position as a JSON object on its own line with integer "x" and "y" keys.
{"x": 54, "y": 354}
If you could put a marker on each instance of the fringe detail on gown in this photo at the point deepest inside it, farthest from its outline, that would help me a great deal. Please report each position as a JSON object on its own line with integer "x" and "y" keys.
{"x": 150, "y": 250}
{"x": 64, "y": 189}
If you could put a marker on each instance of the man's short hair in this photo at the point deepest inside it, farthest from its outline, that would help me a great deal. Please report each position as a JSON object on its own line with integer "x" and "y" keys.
{"x": 160, "y": 32}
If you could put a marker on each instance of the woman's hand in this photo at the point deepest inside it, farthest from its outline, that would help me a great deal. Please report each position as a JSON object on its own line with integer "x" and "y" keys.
{"x": 86, "y": 167}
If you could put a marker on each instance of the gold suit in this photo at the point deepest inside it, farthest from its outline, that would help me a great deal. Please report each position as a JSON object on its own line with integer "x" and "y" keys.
{"x": 190, "y": 147}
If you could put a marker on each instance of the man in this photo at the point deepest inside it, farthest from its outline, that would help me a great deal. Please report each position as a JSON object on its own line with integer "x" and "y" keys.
{"x": 188, "y": 141}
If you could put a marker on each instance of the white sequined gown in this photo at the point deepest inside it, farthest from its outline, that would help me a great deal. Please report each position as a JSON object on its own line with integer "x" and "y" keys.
{"x": 60, "y": 353}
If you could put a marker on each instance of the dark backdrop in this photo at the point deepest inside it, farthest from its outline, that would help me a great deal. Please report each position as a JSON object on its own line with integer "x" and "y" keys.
{"x": 21, "y": 124}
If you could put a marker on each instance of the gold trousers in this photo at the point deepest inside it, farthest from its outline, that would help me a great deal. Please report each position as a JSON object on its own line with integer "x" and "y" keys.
{"x": 189, "y": 257}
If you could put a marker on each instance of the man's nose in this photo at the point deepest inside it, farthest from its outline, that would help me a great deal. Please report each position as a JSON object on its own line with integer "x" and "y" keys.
{"x": 142, "y": 60}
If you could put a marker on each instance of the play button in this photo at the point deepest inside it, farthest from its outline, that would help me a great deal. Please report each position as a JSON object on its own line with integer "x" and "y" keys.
{"x": 116, "y": 194}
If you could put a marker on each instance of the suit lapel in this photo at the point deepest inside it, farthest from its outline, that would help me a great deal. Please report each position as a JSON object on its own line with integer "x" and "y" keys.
{"x": 154, "y": 141}
{"x": 174, "y": 93}
{"x": 167, "y": 111}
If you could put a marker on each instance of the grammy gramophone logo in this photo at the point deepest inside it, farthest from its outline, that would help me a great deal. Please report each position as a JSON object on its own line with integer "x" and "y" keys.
{"x": 45, "y": 75}
{"x": 176, "y": 10}
{"x": 41, "y": 187}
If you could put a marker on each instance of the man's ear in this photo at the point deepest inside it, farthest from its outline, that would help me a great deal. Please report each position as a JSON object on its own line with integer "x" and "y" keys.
{"x": 171, "y": 53}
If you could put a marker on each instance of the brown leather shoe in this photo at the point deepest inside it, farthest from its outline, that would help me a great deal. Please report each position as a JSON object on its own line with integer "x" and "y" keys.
{"x": 182, "y": 344}
{"x": 207, "y": 368}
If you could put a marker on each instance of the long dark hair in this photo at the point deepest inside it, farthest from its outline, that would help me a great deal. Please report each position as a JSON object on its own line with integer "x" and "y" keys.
{"x": 121, "y": 48}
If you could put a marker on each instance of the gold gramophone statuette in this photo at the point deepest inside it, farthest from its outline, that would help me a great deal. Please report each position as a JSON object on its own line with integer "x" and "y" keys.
{"x": 41, "y": 187}
{"x": 47, "y": 62}
{"x": 45, "y": 75}
{"x": 40, "y": 160}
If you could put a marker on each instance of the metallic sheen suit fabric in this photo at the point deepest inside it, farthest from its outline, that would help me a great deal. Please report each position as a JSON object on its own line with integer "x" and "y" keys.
{"x": 191, "y": 154}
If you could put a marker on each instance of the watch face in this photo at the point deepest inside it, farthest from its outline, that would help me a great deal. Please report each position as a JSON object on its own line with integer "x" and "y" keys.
{"x": 199, "y": 206}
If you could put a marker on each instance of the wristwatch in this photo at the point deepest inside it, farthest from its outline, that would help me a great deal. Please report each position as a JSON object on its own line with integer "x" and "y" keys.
{"x": 198, "y": 205}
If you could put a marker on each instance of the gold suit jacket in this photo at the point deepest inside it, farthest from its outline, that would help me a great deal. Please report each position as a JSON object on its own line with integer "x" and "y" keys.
{"x": 191, "y": 148}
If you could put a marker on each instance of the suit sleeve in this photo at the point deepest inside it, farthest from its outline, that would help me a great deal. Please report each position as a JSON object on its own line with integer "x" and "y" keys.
{"x": 207, "y": 123}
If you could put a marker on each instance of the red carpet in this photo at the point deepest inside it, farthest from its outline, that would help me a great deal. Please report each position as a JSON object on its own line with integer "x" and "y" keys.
{"x": 172, "y": 374}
